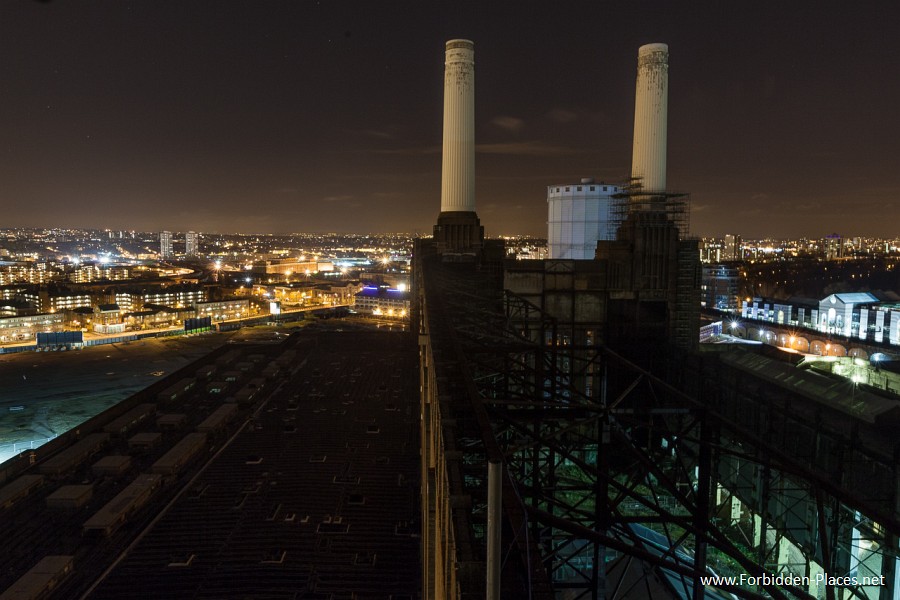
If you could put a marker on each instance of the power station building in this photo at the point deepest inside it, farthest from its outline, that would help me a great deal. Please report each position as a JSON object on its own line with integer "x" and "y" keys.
{"x": 575, "y": 445}
{"x": 567, "y": 442}
{"x": 526, "y": 332}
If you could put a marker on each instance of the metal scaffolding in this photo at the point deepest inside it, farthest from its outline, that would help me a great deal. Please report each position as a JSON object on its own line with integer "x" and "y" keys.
{"x": 615, "y": 482}
{"x": 632, "y": 198}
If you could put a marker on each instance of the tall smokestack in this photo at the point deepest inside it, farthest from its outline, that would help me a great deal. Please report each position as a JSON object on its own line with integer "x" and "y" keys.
{"x": 458, "y": 233}
{"x": 651, "y": 102}
{"x": 458, "y": 173}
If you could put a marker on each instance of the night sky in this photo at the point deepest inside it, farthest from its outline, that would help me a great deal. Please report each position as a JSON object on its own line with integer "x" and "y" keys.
{"x": 326, "y": 116}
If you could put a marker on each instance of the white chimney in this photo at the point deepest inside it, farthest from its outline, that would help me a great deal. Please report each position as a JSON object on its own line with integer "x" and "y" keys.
{"x": 651, "y": 101}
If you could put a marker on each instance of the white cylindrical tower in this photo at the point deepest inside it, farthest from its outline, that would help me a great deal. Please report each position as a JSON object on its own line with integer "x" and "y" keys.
{"x": 458, "y": 169}
{"x": 578, "y": 216}
{"x": 651, "y": 102}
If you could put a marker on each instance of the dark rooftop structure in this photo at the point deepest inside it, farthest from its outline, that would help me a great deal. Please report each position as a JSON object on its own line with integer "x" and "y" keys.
{"x": 308, "y": 491}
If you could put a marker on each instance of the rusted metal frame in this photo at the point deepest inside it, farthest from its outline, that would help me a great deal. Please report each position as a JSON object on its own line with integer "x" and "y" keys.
{"x": 580, "y": 363}
{"x": 495, "y": 345}
{"x": 526, "y": 384}
{"x": 497, "y": 403}
{"x": 491, "y": 448}
{"x": 656, "y": 470}
{"x": 787, "y": 507}
{"x": 719, "y": 539}
{"x": 835, "y": 531}
{"x": 889, "y": 565}
{"x": 523, "y": 355}
{"x": 678, "y": 568}
{"x": 659, "y": 513}
{"x": 550, "y": 323}
{"x": 713, "y": 534}
{"x": 569, "y": 429}
{"x": 492, "y": 325}
{"x": 824, "y": 542}
{"x": 701, "y": 514}
{"x": 674, "y": 544}
{"x": 702, "y": 446}
{"x": 781, "y": 460}
{"x": 683, "y": 447}
{"x": 544, "y": 439}
{"x": 523, "y": 314}
{"x": 543, "y": 431}
{"x": 818, "y": 493}
{"x": 623, "y": 491}
{"x": 611, "y": 481}
{"x": 682, "y": 436}
{"x": 494, "y": 329}
{"x": 601, "y": 490}
{"x": 767, "y": 551}
{"x": 529, "y": 548}
{"x": 486, "y": 306}
{"x": 558, "y": 561}
{"x": 560, "y": 381}
{"x": 620, "y": 530}
{"x": 595, "y": 549}
{"x": 631, "y": 387}
{"x": 573, "y": 511}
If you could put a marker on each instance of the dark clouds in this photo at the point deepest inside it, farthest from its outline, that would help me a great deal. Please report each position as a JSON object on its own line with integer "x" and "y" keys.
{"x": 302, "y": 116}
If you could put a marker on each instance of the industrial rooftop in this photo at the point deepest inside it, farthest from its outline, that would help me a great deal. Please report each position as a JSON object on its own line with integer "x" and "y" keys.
{"x": 296, "y": 480}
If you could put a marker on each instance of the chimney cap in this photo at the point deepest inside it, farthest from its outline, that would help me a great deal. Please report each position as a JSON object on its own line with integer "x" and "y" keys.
{"x": 459, "y": 43}
{"x": 650, "y": 48}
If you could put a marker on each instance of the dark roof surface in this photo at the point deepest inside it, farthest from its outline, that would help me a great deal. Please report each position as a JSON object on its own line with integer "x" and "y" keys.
{"x": 312, "y": 491}
{"x": 317, "y": 495}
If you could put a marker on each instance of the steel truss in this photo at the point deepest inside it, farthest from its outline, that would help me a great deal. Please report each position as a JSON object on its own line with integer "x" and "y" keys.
{"x": 606, "y": 464}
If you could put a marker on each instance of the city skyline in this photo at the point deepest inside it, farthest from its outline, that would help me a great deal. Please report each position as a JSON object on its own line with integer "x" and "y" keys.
{"x": 328, "y": 118}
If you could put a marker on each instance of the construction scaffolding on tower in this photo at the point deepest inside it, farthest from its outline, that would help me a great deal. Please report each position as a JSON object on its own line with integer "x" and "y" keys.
{"x": 632, "y": 198}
